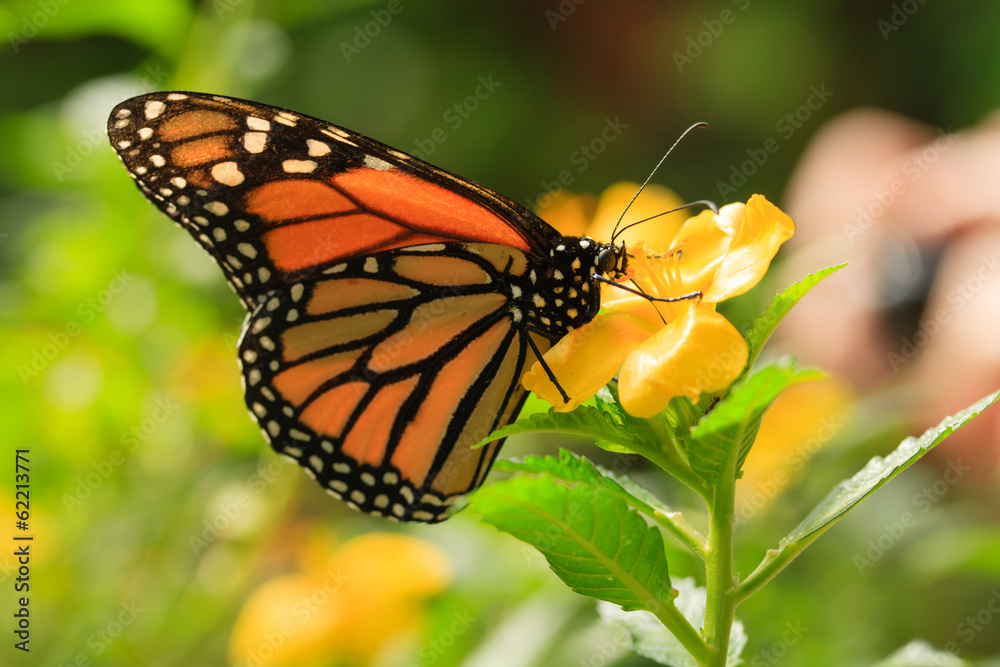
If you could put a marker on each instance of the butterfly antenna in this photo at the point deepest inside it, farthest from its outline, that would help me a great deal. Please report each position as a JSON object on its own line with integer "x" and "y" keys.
{"x": 659, "y": 164}
{"x": 701, "y": 202}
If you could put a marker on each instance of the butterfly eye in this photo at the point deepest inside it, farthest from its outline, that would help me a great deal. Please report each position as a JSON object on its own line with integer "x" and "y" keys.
{"x": 607, "y": 260}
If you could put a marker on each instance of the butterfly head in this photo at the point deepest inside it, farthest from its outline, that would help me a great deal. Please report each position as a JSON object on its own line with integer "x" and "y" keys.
{"x": 566, "y": 296}
{"x": 611, "y": 259}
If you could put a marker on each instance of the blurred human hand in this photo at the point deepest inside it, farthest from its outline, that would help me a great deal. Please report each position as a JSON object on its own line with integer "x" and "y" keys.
{"x": 886, "y": 193}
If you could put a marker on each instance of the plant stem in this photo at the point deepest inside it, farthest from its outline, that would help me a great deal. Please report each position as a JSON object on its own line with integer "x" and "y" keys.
{"x": 678, "y": 526}
{"x": 720, "y": 606}
{"x": 681, "y": 628}
{"x": 774, "y": 562}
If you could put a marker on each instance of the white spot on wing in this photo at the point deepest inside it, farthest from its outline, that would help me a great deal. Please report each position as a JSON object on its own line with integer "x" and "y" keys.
{"x": 298, "y": 166}
{"x": 254, "y": 142}
{"x": 145, "y": 133}
{"x": 227, "y": 173}
{"x": 216, "y": 207}
{"x": 260, "y": 124}
{"x": 154, "y": 108}
{"x": 373, "y": 162}
{"x": 317, "y": 148}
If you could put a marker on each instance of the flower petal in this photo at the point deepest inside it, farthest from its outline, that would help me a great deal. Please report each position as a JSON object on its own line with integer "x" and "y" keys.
{"x": 698, "y": 352}
{"x": 586, "y": 359}
{"x": 570, "y": 214}
{"x": 758, "y": 230}
{"x": 700, "y": 248}
{"x": 655, "y": 199}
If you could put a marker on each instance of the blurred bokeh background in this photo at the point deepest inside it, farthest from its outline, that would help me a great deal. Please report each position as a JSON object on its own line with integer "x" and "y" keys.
{"x": 167, "y": 533}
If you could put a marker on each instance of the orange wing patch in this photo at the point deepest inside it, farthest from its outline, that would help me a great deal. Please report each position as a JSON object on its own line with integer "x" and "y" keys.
{"x": 440, "y": 270}
{"x": 369, "y": 436}
{"x": 432, "y": 326}
{"x": 200, "y": 151}
{"x": 195, "y": 123}
{"x": 329, "y": 413}
{"x": 290, "y": 199}
{"x": 437, "y": 411}
{"x": 342, "y": 293}
{"x": 459, "y": 471}
{"x": 297, "y": 383}
{"x": 305, "y": 339}
{"x": 426, "y": 207}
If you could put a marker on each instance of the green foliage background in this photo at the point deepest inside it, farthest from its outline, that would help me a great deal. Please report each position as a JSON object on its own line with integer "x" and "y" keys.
{"x": 118, "y": 333}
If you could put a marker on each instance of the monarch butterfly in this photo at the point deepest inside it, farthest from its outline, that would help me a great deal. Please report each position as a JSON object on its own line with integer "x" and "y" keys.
{"x": 392, "y": 306}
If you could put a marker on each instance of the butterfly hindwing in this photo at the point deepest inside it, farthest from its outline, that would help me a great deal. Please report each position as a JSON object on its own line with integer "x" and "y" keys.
{"x": 379, "y": 376}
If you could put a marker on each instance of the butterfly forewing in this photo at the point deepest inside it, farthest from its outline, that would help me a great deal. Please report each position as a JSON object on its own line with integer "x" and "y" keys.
{"x": 273, "y": 194}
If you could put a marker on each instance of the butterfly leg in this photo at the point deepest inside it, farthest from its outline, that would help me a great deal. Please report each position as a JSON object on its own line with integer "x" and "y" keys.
{"x": 548, "y": 371}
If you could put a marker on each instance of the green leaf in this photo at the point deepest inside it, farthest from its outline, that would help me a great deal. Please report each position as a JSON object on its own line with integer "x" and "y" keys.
{"x": 570, "y": 467}
{"x": 846, "y": 495}
{"x": 585, "y": 421}
{"x": 780, "y": 306}
{"x": 651, "y": 640}
{"x": 921, "y": 654}
{"x": 594, "y": 542}
{"x": 612, "y": 429}
{"x": 731, "y": 427}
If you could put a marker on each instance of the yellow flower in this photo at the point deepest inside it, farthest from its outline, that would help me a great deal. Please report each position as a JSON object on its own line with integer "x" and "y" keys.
{"x": 661, "y": 350}
{"x": 582, "y": 215}
{"x": 344, "y": 607}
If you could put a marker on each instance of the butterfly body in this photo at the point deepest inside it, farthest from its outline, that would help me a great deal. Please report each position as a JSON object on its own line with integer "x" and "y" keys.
{"x": 392, "y": 306}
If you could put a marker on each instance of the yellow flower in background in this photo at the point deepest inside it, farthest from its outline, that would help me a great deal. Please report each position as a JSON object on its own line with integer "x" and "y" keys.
{"x": 344, "y": 607}
{"x": 583, "y": 215}
{"x": 661, "y": 350}
{"x": 803, "y": 420}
